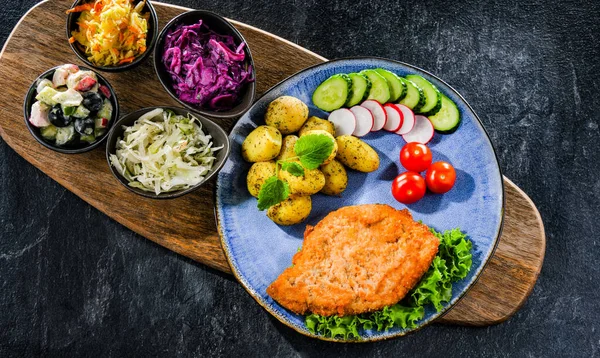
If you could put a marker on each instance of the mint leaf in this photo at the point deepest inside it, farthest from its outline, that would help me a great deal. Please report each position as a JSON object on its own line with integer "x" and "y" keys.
{"x": 293, "y": 168}
{"x": 272, "y": 192}
{"x": 313, "y": 149}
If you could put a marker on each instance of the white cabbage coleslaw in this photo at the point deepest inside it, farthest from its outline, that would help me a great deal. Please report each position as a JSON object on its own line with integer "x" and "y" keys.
{"x": 164, "y": 152}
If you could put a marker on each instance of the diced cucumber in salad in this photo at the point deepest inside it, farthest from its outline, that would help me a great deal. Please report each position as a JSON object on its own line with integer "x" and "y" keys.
{"x": 72, "y": 108}
{"x": 414, "y": 92}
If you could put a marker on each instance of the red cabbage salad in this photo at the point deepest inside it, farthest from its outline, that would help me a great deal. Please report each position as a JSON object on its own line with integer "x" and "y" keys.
{"x": 208, "y": 69}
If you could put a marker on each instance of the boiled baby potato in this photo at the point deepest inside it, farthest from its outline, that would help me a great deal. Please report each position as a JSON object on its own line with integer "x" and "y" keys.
{"x": 287, "y": 148}
{"x": 262, "y": 144}
{"x": 336, "y": 178}
{"x": 356, "y": 154}
{"x": 287, "y": 114}
{"x": 293, "y": 210}
{"x": 317, "y": 123}
{"x": 324, "y": 132}
{"x": 258, "y": 174}
{"x": 311, "y": 183}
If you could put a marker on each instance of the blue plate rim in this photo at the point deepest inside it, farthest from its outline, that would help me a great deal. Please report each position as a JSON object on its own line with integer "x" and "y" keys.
{"x": 477, "y": 275}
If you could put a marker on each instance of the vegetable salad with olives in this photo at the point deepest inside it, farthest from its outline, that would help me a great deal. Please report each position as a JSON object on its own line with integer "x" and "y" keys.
{"x": 72, "y": 108}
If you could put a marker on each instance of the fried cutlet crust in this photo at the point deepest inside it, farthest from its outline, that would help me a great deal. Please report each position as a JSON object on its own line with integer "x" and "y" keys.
{"x": 357, "y": 259}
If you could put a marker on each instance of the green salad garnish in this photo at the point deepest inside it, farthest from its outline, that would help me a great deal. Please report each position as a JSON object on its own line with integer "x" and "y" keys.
{"x": 311, "y": 150}
{"x": 452, "y": 263}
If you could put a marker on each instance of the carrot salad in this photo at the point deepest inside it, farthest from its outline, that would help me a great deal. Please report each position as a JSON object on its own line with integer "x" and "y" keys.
{"x": 113, "y": 32}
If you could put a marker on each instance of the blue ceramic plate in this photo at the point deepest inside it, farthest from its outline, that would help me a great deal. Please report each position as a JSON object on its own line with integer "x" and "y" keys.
{"x": 258, "y": 250}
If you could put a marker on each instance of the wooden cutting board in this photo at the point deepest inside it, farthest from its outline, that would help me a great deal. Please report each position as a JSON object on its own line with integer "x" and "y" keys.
{"x": 186, "y": 225}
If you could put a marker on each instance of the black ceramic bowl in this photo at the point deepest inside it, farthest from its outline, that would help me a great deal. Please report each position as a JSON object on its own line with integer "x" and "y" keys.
{"x": 219, "y": 138}
{"x": 150, "y": 38}
{"x": 73, "y": 148}
{"x": 221, "y": 26}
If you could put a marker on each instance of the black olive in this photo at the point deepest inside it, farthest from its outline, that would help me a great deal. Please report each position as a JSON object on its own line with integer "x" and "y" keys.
{"x": 84, "y": 126}
{"x": 92, "y": 101}
{"x": 58, "y": 118}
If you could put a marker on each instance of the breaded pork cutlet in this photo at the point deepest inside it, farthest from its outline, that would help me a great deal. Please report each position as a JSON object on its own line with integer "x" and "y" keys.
{"x": 357, "y": 259}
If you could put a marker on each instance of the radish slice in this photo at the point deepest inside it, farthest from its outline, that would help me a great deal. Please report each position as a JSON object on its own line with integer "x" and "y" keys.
{"x": 344, "y": 121}
{"x": 364, "y": 121}
{"x": 379, "y": 115}
{"x": 422, "y": 132}
{"x": 394, "y": 118}
{"x": 409, "y": 119}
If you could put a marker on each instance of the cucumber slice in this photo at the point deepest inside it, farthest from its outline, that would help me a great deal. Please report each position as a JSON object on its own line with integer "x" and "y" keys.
{"x": 333, "y": 92}
{"x": 433, "y": 97}
{"x": 81, "y": 112}
{"x": 360, "y": 89}
{"x": 68, "y": 111}
{"x": 47, "y": 96}
{"x": 397, "y": 87}
{"x": 49, "y": 132}
{"x": 65, "y": 134}
{"x": 447, "y": 119}
{"x": 106, "y": 110}
{"x": 88, "y": 138}
{"x": 435, "y": 109}
{"x": 99, "y": 132}
{"x": 380, "y": 90}
{"x": 405, "y": 86}
{"x": 68, "y": 98}
{"x": 414, "y": 96}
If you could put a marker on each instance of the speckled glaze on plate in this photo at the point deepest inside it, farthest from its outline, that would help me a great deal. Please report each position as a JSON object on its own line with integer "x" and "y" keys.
{"x": 258, "y": 250}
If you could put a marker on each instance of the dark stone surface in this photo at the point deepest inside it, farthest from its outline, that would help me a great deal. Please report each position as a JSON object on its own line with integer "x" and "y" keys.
{"x": 74, "y": 281}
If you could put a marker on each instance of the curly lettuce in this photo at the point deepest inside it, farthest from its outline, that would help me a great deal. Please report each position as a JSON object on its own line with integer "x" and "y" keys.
{"x": 452, "y": 263}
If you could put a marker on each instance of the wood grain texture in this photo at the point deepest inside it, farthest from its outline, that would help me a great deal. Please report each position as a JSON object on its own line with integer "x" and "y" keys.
{"x": 510, "y": 275}
{"x": 186, "y": 225}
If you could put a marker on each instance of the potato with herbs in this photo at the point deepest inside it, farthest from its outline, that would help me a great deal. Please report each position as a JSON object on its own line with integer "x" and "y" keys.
{"x": 311, "y": 183}
{"x": 325, "y": 133}
{"x": 287, "y": 114}
{"x": 356, "y": 154}
{"x": 257, "y": 175}
{"x": 336, "y": 178}
{"x": 291, "y": 211}
{"x": 287, "y": 148}
{"x": 262, "y": 144}
{"x": 317, "y": 123}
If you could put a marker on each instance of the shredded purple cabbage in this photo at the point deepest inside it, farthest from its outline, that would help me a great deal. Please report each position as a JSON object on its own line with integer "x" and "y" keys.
{"x": 208, "y": 69}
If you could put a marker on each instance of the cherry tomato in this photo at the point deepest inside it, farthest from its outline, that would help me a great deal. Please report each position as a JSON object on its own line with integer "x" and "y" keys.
{"x": 408, "y": 187}
{"x": 440, "y": 177}
{"x": 415, "y": 157}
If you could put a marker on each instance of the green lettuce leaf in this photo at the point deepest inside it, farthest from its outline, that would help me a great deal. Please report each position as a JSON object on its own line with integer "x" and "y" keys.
{"x": 455, "y": 249}
{"x": 452, "y": 263}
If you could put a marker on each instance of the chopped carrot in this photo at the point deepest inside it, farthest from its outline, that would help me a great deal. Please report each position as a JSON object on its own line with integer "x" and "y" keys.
{"x": 108, "y": 39}
{"x": 71, "y": 39}
{"x": 98, "y": 6}
{"x": 133, "y": 29}
{"x": 126, "y": 60}
{"x": 81, "y": 8}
